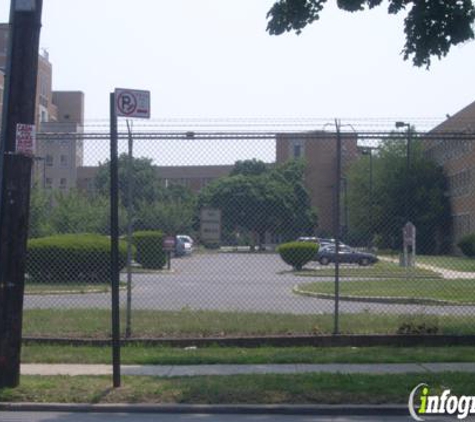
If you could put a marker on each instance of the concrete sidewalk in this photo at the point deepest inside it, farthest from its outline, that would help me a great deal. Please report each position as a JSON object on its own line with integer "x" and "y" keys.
{"x": 444, "y": 272}
{"x": 194, "y": 370}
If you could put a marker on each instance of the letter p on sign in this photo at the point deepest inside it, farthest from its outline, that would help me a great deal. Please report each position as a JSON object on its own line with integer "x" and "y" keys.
{"x": 132, "y": 103}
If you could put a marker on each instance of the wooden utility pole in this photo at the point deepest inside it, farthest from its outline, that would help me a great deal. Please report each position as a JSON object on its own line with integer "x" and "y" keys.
{"x": 19, "y": 104}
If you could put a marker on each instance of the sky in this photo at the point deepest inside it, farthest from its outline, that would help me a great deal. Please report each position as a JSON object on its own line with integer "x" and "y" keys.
{"x": 214, "y": 59}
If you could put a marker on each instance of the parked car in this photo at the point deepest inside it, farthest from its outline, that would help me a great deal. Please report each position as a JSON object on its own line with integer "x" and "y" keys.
{"x": 327, "y": 255}
{"x": 183, "y": 245}
{"x": 186, "y": 239}
{"x": 320, "y": 240}
{"x": 308, "y": 239}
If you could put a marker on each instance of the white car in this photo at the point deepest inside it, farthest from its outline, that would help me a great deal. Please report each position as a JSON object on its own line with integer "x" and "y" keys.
{"x": 187, "y": 243}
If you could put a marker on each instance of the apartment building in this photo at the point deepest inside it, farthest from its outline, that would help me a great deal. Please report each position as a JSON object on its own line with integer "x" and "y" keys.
{"x": 193, "y": 177}
{"x": 56, "y": 158}
{"x": 457, "y": 156}
{"x": 60, "y": 148}
{"x": 319, "y": 150}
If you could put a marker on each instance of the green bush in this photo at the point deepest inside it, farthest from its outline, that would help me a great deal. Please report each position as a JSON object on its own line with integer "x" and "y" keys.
{"x": 72, "y": 258}
{"x": 150, "y": 253}
{"x": 297, "y": 254}
{"x": 467, "y": 245}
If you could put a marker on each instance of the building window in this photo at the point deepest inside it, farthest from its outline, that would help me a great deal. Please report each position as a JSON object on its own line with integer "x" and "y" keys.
{"x": 48, "y": 183}
{"x": 49, "y": 160}
{"x": 63, "y": 160}
{"x": 297, "y": 149}
{"x": 63, "y": 183}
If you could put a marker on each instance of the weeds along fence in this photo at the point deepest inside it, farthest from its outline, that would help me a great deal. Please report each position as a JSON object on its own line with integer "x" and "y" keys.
{"x": 377, "y": 218}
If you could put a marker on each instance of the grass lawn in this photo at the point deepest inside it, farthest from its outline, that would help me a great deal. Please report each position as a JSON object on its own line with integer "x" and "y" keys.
{"x": 96, "y": 323}
{"x": 238, "y": 389}
{"x": 461, "y": 291}
{"x": 153, "y": 355}
{"x": 455, "y": 263}
{"x": 381, "y": 269}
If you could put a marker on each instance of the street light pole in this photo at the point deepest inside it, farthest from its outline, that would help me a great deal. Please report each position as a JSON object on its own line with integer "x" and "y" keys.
{"x": 408, "y": 166}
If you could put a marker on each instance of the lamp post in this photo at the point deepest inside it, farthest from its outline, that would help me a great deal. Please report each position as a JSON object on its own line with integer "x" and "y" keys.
{"x": 408, "y": 166}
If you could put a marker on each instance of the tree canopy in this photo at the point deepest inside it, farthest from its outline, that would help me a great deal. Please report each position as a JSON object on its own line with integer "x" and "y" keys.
{"x": 431, "y": 27}
{"x": 396, "y": 196}
{"x": 274, "y": 200}
{"x": 249, "y": 167}
{"x": 144, "y": 179}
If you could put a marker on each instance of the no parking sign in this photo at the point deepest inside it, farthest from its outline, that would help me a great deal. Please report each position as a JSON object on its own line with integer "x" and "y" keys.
{"x": 132, "y": 103}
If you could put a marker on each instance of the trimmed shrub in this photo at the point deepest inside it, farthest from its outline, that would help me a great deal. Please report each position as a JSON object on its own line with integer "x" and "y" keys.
{"x": 297, "y": 254}
{"x": 467, "y": 245}
{"x": 150, "y": 253}
{"x": 72, "y": 258}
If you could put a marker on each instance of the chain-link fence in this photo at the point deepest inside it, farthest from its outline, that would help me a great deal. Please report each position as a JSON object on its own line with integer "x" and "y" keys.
{"x": 203, "y": 211}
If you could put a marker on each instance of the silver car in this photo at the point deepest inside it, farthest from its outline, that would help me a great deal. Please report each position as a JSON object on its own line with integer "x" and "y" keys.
{"x": 327, "y": 255}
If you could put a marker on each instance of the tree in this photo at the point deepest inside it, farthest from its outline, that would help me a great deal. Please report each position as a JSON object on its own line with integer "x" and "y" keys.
{"x": 273, "y": 201}
{"x": 144, "y": 178}
{"x": 252, "y": 167}
{"x": 172, "y": 213}
{"x": 73, "y": 212}
{"x": 40, "y": 203}
{"x": 431, "y": 27}
{"x": 170, "y": 218}
{"x": 398, "y": 196}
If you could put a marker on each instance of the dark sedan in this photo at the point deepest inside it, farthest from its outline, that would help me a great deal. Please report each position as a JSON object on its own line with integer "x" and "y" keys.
{"x": 327, "y": 255}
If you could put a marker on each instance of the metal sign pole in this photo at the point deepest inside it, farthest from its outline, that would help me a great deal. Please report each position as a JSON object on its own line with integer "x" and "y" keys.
{"x": 336, "y": 228}
{"x": 115, "y": 275}
{"x": 130, "y": 212}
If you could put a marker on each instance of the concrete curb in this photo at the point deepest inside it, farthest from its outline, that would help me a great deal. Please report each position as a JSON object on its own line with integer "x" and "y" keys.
{"x": 382, "y": 299}
{"x": 258, "y": 409}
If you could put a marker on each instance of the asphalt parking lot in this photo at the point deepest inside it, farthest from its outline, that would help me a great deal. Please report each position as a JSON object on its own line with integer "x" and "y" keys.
{"x": 228, "y": 282}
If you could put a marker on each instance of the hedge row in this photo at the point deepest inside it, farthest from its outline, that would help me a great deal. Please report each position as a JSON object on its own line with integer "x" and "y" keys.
{"x": 149, "y": 245}
{"x": 72, "y": 258}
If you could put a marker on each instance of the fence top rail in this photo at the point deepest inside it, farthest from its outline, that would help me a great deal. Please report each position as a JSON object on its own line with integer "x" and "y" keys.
{"x": 233, "y": 135}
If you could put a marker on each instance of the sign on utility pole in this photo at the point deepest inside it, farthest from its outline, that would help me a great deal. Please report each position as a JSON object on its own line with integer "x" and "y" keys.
{"x": 130, "y": 103}
{"x": 16, "y": 148}
{"x": 25, "y": 139}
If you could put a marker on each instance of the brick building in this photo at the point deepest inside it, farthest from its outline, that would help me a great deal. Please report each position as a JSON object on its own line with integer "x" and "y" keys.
{"x": 457, "y": 156}
{"x": 56, "y": 159}
{"x": 193, "y": 177}
{"x": 318, "y": 149}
